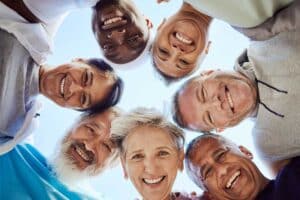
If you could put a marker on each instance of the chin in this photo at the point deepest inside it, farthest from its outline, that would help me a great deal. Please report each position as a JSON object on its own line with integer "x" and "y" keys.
{"x": 67, "y": 171}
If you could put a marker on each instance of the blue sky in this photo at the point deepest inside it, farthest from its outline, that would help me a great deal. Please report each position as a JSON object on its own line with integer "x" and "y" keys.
{"x": 142, "y": 88}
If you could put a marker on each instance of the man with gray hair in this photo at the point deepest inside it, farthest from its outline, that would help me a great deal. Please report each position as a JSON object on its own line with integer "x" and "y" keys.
{"x": 85, "y": 151}
{"x": 226, "y": 172}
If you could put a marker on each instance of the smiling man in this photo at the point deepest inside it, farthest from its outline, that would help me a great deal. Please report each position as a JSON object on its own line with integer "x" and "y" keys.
{"x": 86, "y": 85}
{"x": 182, "y": 40}
{"x": 86, "y": 151}
{"x": 226, "y": 172}
{"x": 120, "y": 29}
{"x": 264, "y": 86}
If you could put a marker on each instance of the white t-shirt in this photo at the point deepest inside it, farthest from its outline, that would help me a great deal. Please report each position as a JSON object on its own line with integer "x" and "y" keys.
{"x": 37, "y": 38}
{"x": 240, "y": 13}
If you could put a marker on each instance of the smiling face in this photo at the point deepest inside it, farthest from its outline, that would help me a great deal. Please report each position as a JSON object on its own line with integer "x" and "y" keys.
{"x": 225, "y": 171}
{"x": 120, "y": 29}
{"x": 75, "y": 85}
{"x": 180, "y": 41}
{"x": 88, "y": 145}
{"x": 151, "y": 161}
{"x": 216, "y": 99}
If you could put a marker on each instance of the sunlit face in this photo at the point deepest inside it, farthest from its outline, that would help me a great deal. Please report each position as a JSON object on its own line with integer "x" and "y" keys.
{"x": 120, "y": 30}
{"x": 217, "y": 99}
{"x": 76, "y": 85}
{"x": 179, "y": 43}
{"x": 151, "y": 161}
{"x": 89, "y": 143}
{"x": 224, "y": 171}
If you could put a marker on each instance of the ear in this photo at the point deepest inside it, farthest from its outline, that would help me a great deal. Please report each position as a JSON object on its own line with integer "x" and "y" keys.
{"x": 181, "y": 158}
{"x": 207, "y": 47}
{"x": 162, "y": 23}
{"x": 123, "y": 164}
{"x": 246, "y": 152}
{"x": 206, "y": 72}
{"x": 149, "y": 23}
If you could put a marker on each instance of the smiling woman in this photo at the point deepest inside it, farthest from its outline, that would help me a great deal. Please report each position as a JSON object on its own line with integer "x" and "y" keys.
{"x": 151, "y": 151}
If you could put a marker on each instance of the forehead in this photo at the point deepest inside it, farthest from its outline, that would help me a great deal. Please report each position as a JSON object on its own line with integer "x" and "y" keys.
{"x": 204, "y": 149}
{"x": 147, "y": 137}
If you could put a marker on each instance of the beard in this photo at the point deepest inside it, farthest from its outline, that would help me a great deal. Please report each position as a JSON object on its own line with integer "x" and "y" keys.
{"x": 66, "y": 169}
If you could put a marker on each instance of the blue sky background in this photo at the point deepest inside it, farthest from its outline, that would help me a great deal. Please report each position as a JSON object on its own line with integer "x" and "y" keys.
{"x": 142, "y": 88}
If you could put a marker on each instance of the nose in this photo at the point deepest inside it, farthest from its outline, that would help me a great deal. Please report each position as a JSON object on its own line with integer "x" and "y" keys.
{"x": 73, "y": 88}
{"x": 180, "y": 48}
{"x": 92, "y": 142}
{"x": 150, "y": 165}
{"x": 221, "y": 170}
{"x": 118, "y": 36}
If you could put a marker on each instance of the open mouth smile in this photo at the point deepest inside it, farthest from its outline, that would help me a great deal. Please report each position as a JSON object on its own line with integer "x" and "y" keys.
{"x": 114, "y": 22}
{"x": 83, "y": 153}
{"x": 62, "y": 86}
{"x": 233, "y": 179}
{"x": 229, "y": 99}
{"x": 153, "y": 181}
{"x": 183, "y": 38}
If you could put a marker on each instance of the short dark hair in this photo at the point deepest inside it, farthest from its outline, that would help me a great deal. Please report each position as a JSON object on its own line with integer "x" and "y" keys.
{"x": 113, "y": 96}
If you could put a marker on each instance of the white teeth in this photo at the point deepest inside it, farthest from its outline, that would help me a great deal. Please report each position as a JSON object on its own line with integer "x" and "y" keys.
{"x": 62, "y": 84}
{"x": 233, "y": 179}
{"x": 112, "y": 20}
{"x": 82, "y": 153}
{"x": 183, "y": 39}
{"x": 153, "y": 181}
{"x": 229, "y": 99}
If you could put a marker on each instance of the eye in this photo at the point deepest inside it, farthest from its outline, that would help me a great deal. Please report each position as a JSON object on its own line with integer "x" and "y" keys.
{"x": 83, "y": 99}
{"x": 85, "y": 78}
{"x": 137, "y": 157}
{"x": 163, "y": 51}
{"x": 133, "y": 39}
{"x": 163, "y": 153}
{"x": 221, "y": 156}
{"x": 210, "y": 118}
{"x": 106, "y": 146}
{"x": 183, "y": 62}
{"x": 208, "y": 172}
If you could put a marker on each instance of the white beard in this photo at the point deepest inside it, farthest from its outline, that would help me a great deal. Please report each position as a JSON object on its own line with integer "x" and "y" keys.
{"x": 66, "y": 170}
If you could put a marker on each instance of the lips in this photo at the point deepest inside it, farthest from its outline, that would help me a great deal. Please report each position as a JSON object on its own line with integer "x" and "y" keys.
{"x": 114, "y": 22}
{"x": 62, "y": 86}
{"x": 183, "y": 38}
{"x": 81, "y": 154}
{"x": 153, "y": 181}
{"x": 229, "y": 99}
{"x": 233, "y": 179}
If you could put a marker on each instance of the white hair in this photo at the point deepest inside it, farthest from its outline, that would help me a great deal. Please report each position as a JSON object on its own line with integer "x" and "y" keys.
{"x": 123, "y": 125}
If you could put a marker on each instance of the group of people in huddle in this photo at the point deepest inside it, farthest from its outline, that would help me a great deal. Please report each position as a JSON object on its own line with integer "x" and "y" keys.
{"x": 263, "y": 86}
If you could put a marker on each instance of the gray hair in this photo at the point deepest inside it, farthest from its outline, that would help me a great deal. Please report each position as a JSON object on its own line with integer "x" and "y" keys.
{"x": 122, "y": 126}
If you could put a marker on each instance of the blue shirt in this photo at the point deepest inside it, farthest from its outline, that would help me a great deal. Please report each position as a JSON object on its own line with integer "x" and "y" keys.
{"x": 25, "y": 174}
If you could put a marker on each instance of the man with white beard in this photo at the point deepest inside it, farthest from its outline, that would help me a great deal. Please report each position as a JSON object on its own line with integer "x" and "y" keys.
{"x": 84, "y": 152}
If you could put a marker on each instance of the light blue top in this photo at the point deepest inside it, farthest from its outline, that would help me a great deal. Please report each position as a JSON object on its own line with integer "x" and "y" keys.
{"x": 25, "y": 174}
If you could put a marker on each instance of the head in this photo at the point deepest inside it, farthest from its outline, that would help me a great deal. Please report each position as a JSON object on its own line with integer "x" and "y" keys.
{"x": 151, "y": 150}
{"x": 85, "y": 85}
{"x": 87, "y": 149}
{"x": 215, "y": 99}
{"x": 180, "y": 42}
{"x": 120, "y": 29}
{"x": 223, "y": 169}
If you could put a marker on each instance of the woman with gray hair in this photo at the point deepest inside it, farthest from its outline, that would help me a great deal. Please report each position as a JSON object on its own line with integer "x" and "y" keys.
{"x": 151, "y": 151}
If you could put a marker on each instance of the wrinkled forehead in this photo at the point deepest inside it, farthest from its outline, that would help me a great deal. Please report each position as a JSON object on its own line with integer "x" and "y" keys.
{"x": 204, "y": 149}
